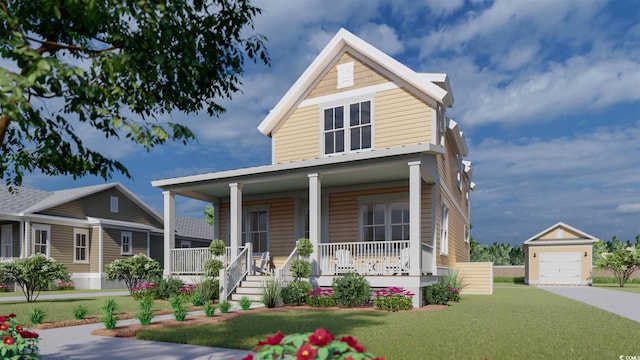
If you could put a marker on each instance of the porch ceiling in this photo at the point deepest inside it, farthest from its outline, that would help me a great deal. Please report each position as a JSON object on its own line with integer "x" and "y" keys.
{"x": 283, "y": 178}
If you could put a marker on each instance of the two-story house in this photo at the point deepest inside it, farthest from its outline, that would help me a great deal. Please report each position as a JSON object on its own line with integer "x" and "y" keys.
{"x": 365, "y": 163}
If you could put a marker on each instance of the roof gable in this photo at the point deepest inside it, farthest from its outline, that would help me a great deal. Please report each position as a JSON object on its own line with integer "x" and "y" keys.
{"x": 21, "y": 198}
{"x": 339, "y": 44}
{"x": 561, "y": 232}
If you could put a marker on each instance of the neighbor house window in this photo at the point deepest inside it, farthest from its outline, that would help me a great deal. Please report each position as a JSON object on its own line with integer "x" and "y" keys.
{"x": 6, "y": 241}
{"x": 444, "y": 230}
{"x": 347, "y": 128}
{"x": 41, "y": 239}
{"x": 80, "y": 245}
{"x": 114, "y": 204}
{"x": 256, "y": 230}
{"x": 185, "y": 244}
{"x": 126, "y": 243}
{"x": 384, "y": 220}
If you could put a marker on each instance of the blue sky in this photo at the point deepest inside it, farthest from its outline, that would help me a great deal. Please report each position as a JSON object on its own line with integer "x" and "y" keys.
{"x": 547, "y": 93}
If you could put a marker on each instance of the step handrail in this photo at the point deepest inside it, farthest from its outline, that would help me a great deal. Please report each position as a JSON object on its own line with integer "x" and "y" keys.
{"x": 235, "y": 272}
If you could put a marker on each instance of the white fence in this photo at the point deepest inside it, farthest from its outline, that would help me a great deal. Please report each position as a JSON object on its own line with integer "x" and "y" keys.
{"x": 190, "y": 261}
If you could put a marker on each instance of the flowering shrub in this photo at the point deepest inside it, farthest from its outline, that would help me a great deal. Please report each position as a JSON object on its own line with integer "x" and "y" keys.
{"x": 321, "y": 298}
{"x": 319, "y": 345}
{"x": 17, "y": 343}
{"x": 455, "y": 294}
{"x": 186, "y": 290}
{"x": 4, "y": 287}
{"x": 147, "y": 289}
{"x": 65, "y": 285}
{"x": 440, "y": 294}
{"x": 393, "y": 298}
{"x": 133, "y": 271}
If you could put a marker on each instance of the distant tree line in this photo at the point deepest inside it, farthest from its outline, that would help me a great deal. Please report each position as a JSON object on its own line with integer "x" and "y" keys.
{"x": 499, "y": 254}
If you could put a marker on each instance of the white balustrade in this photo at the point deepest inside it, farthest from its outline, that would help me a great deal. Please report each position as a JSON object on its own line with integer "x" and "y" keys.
{"x": 365, "y": 258}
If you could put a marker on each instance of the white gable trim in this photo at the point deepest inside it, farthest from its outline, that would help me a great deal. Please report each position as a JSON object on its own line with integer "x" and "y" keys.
{"x": 341, "y": 40}
{"x": 568, "y": 227}
{"x": 340, "y": 97}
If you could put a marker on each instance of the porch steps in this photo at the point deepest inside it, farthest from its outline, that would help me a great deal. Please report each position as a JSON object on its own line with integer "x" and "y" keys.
{"x": 251, "y": 287}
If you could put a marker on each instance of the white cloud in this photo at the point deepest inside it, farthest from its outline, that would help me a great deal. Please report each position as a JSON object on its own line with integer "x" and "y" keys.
{"x": 628, "y": 208}
{"x": 382, "y": 37}
{"x": 440, "y": 7}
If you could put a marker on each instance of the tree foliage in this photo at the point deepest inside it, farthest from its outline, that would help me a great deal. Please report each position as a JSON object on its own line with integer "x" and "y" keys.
{"x": 114, "y": 66}
{"x": 498, "y": 253}
{"x": 34, "y": 274}
{"x": 133, "y": 270}
{"x": 621, "y": 258}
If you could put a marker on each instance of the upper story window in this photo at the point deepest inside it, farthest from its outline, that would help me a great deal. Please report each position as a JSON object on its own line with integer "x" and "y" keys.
{"x": 114, "y": 204}
{"x": 347, "y": 128}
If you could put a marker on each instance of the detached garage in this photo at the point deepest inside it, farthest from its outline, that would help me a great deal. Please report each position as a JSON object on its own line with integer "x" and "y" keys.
{"x": 559, "y": 255}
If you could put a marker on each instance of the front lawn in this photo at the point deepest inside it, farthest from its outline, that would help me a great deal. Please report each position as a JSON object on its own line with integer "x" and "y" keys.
{"x": 56, "y": 292}
{"x": 628, "y": 287}
{"x": 518, "y": 322}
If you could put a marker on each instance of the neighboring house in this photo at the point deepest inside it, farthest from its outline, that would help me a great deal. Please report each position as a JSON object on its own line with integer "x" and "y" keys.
{"x": 365, "y": 163}
{"x": 559, "y": 255}
{"x": 86, "y": 228}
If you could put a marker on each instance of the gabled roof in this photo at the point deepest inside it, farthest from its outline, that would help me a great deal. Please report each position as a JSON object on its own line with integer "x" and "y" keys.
{"x": 194, "y": 228}
{"x": 585, "y": 237}
{"x": 21, "y": 198}
{"x": 458, "y": 137}
{"x": 342, "y": 40}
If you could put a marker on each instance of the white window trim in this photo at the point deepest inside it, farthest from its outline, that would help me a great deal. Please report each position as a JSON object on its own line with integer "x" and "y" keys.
{"x": 444, "y": 229}
{"x": 467, "y": 233}
{"x": 114, "y": 204}
{"x": 123, "y": 235}
{"x": 388, "y": 200}
{"x": 185, "y": 242}
{"x": 41, "y": 227}
{"x": 84, "y": 232}
{"x": 10, "y": 239}
{"x": 347, "y": 128}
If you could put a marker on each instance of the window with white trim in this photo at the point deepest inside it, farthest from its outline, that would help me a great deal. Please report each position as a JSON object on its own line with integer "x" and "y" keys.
{"x": 442, "y": 123}
{"x": 347, "y": 128}
{"x": 444, "y": 230}
{"x": 383, "y": 220}
{"x": 467, "y": 234}
{"x": 126, "y": 243}
{"x": 255, "y": 228}
{"x": 41, "y": 239}
{"x": 80, "y": 245}
{"x": 460, "y": 170}
{"x": 114, "y": 204}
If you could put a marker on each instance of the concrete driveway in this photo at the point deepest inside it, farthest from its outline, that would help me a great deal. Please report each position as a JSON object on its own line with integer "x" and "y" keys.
{"x": 622, "y": 303}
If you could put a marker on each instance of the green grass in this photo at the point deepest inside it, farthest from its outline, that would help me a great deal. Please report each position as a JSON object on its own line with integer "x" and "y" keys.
{"x": 85, "y": 291}
{"x": 628, "y": 287}
{"x": 62, "y": 309}
{"x": 517, "y": 322}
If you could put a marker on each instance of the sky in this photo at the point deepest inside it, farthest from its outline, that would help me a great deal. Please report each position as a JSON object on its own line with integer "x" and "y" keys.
{"x": 547, "y": 93}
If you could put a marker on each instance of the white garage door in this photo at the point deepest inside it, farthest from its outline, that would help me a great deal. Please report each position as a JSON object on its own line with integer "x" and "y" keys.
{"x": 560, "y": 268}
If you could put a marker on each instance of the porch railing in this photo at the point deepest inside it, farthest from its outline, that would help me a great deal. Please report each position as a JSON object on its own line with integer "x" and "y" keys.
{"x": 190, "y": 261}
{"x": 366, "y": 258}
{"x": 235, "y": 272}
{"x": 283, "y": 274}
{"x": 7, "y": 259}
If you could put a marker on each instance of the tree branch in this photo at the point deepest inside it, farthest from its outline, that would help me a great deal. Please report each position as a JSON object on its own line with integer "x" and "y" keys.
{"x": 52, "y": 46}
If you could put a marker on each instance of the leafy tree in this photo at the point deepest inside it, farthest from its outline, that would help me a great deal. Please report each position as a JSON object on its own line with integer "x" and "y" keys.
{"x": 34, "y": 274}
{"x": 209, "y": 215}
{"x": 133, "y": 270}
{"x": 621, "y": 261}
{"x": 498, "y": 253}
{"x": 114, "y": 66}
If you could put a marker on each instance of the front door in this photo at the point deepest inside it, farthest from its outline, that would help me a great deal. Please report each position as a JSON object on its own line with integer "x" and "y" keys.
{"x": 6, "y": 241}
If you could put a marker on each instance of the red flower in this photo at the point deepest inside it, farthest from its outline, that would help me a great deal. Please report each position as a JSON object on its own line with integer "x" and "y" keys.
{"x": 28, "y": 334}
{"x": 4, "y": 327}
{"x": 272, "y": 340}
{"x": 3, "y": 318}
{"x": 306, "y": 352}
{"x": 248, "y": 357}
{"x": 12, "y": 315}
{"x": 320, "y": 337}
{"x": 351, "y": 341}
{"x": 8, "y": 340}
{"x": 19, "y": 328}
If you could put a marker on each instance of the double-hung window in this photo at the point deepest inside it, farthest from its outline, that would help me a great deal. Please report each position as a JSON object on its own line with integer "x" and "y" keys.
{"x": 126, "y": 243}
{"x": 383, "y": 220}
{"x": 41, "y": 239}
{"x": 347, "y": 128}
{"x": 444, "y": 230}
{"x": 256, "y": 229}
{"x": 80, "y": 246}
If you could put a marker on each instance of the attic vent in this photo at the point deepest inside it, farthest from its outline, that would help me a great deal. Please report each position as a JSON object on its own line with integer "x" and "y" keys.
{"x": 345, "y": 75}
{"x": 559, "y": 233}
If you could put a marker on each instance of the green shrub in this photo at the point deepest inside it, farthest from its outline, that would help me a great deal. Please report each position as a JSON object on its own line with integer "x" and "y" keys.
{"x": 509, "y": 279}
{"x": 217, "y": 247}
{"x": 145, "y": 315}
{"x": 33, "y": 274}
{"x": 209, "y": 309}
{"x": 438, "y": 294}
{"x": 393, "y": 298}
{"x": 169, "y": 287}
{"x": 351, "y": 290}
{"x": 295, "y": 293}
{"x": 108, "y": 314}
{"x": 80, "y": 312}
{"x": 133, "y": 271}
{"x": 270, "y": 292}
{"x": 37, "y": 315}
{"x": 209, "y": 289}
{"x": 245, "y": 303}
{"x": 321, "y": 298}
{"x": 212, "y": 267}
{"x": 179, "y": 310}
{"x": 197, "y": 299}
{"x": 224, "y": 306}
{"x": 304, "y": 247}
{"x": 454, "y": 280}
{"x": 612, "y": 280}
{"x": 300, "y": 269}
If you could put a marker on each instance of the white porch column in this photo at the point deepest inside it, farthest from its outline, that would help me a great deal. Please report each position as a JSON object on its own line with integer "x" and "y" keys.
{"x": 315, "y": 209}
{"x": 236, "y": 219}
{"x": 415, "y": 210}
{"x": 169, "y": 230}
